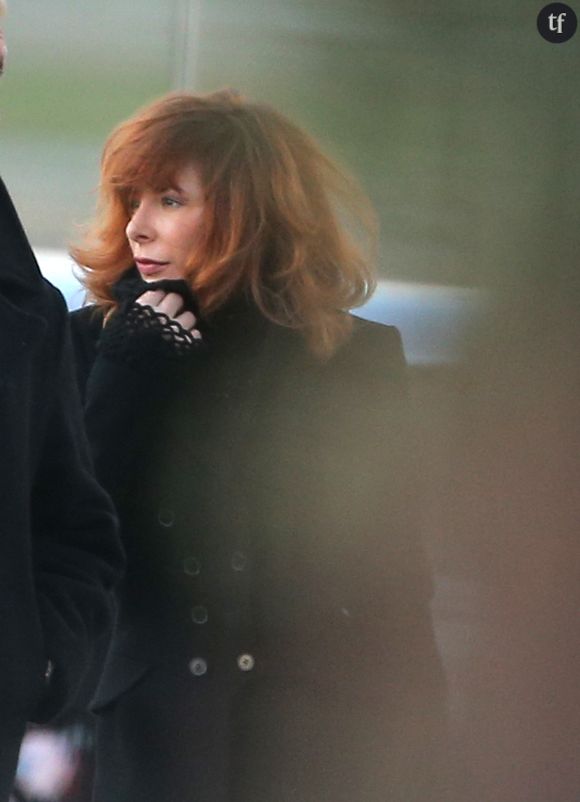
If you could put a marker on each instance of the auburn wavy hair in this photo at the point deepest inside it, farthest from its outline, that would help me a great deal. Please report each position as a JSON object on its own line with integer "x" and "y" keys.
{"x": 281, "y": 222}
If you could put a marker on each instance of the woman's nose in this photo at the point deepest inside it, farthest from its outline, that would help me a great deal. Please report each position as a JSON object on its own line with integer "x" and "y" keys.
{"x": 140, "y": 227}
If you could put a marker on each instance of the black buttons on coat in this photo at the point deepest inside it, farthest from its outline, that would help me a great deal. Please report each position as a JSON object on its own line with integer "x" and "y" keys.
{"x": 191, "y": 566}
{"x": 199, "y": 614}
{"x": 166, "y": 517}
{"x": 246, "y": 662}
{"x": 198, "y": 666}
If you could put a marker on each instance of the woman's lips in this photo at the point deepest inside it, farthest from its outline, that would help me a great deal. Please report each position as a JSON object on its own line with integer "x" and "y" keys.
{"x": 149, "y": 268}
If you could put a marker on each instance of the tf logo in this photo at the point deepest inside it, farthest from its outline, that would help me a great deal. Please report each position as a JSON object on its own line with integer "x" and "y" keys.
{"x": 557, "y": 23}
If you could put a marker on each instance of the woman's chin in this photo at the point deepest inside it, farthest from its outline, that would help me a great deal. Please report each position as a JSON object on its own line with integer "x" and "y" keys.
{"x": 158, "y": 273}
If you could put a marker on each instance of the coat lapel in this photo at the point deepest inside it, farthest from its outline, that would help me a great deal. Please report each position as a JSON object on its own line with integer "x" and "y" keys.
{"x": 20, "y": 283}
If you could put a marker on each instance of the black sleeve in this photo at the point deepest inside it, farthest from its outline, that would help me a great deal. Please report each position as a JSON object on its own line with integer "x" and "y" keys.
{"x": 373, "y": 504}
{"x": 77, "y": 554}
{"x": 341, "y": 477}
{"x": 360, "y": 507}
{"x": 126, "y": 376}
{"x": 378, "y": 507}
{"x": 363, "y": 495}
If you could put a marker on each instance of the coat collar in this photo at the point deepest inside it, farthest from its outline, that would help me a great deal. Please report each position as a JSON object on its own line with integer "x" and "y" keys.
{"x": 19, "y": 272}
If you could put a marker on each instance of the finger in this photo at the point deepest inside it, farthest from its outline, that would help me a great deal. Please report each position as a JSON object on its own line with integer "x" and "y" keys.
{"x": 171, "y": 305}
{"x": 186, "y": 320}
{"x": 151, "y": 298}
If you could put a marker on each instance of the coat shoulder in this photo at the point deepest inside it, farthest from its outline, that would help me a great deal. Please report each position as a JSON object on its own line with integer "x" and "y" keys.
{"x": 372, "y": 350}
{"x": 86, "y": 325}
{"x": 86, "y": 321}
{"x": 54, "y": 299}
{"x": 377, "y": 338}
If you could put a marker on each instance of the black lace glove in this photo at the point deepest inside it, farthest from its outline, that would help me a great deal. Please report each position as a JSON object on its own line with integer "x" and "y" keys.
{"x": 144, "y": 337}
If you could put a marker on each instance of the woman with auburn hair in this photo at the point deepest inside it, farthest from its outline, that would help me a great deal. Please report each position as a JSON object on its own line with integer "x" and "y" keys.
{"x": 274, "y": 639}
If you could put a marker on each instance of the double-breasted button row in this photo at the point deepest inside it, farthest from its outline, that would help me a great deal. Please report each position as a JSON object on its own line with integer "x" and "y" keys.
{"x": 238, "y": 563}
{"x": 198, "y": 666}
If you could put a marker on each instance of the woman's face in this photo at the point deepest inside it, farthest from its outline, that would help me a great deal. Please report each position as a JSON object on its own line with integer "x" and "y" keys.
{"x": 164, "y": 226}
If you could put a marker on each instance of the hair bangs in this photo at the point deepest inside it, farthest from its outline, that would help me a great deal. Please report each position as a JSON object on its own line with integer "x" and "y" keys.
{"x": 135, "y": 166}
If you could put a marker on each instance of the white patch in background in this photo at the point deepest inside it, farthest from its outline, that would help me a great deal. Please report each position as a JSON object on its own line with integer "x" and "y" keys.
{"x": 432, "y": 319}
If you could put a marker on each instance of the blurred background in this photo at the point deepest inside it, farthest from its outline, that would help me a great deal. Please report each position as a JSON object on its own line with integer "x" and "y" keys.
{"x": 462, "y": 124}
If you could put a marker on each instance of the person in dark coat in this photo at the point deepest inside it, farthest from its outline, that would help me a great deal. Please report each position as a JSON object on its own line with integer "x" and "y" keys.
{"x": 274, "y": 640}
{"x": 60, "y": 551}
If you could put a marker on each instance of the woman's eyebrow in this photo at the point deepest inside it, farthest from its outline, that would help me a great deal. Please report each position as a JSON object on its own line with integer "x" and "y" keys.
{"x": 173, "y": 187}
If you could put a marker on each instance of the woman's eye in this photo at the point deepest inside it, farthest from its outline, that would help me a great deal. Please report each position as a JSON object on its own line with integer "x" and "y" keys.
{"x": 168, "y": 200}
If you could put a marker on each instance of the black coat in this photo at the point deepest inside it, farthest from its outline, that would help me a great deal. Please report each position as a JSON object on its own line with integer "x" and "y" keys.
{"x": 274, "y": 639}
{"x": 60, "y": 552}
